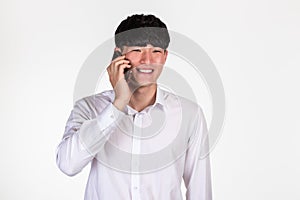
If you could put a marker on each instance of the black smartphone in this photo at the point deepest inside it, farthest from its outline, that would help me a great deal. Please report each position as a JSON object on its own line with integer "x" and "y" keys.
{"x": 117, "y": 54}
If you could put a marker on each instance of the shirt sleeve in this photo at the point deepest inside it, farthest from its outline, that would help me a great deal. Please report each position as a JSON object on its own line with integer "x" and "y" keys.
{"x": 85, "y": 136}
{"x": 197, "y": 173}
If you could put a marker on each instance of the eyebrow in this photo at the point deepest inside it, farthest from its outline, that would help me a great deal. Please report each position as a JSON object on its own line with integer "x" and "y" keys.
{"x": 133, "y": 47}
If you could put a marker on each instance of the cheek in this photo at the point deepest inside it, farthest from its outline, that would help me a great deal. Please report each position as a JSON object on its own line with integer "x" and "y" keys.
{"x": 134, "y": 62}
{"x": 132, "y": 58}
{"x": 158, "y": 59}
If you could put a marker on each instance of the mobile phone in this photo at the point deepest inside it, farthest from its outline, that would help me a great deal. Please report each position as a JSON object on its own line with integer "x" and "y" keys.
{"x": 117, "y": 54}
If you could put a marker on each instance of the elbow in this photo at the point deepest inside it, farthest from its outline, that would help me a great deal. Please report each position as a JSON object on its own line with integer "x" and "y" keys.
{"x": 68, "y": 171}
{"x": 66, "y": 166}
{"x": 71, "y": 158}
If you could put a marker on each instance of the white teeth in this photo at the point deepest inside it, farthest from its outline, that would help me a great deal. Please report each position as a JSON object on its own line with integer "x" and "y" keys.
{"x": 145, "y": 70}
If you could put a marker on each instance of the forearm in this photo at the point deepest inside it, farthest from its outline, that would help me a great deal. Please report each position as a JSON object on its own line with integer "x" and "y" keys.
{"x": 199, "y": 187}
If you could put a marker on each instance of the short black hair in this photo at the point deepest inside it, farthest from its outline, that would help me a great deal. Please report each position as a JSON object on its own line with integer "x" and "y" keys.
{"x": 140, "y": 30}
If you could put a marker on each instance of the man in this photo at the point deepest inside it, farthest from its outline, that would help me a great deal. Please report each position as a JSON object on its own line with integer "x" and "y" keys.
{"x": 140, "y": 139}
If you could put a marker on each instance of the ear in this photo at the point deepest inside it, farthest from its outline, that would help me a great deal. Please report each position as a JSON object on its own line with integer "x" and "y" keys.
{"x": 118, "y": 49}
{"x": 166, "y": 54}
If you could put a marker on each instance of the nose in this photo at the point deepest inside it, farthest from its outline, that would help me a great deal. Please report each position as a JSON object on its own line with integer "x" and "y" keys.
{"x": 146, "y": 57}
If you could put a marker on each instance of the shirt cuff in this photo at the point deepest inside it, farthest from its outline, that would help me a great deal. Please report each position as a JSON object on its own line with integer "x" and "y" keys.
{"x": 109, "y": 116}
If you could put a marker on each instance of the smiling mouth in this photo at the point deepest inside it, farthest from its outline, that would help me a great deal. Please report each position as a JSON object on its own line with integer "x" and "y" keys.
{"x": 146, "y": 71}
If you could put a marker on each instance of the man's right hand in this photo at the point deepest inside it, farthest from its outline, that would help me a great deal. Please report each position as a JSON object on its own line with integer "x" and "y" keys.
{"x": 117, "y": 79}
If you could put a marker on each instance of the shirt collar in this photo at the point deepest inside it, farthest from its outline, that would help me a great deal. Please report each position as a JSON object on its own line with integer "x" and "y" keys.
{"x": 159, "y": 102}
{"x": 159, "y": 97}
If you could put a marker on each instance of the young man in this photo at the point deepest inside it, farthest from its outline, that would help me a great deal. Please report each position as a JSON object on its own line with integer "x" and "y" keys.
{"x": 141, "y": 140}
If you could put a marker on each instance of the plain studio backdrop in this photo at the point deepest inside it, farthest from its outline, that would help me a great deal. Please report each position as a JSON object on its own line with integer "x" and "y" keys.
{"x": 254, "y": 45}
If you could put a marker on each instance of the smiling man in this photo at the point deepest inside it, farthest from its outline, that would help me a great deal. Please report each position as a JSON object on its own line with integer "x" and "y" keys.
{"x": 140, "y": 139}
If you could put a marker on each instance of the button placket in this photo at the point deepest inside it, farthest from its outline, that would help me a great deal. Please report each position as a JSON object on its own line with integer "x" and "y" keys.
{"x": 136, "y": 142}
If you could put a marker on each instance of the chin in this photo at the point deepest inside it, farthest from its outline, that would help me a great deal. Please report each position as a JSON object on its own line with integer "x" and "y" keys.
{"x": 146, "y": 83}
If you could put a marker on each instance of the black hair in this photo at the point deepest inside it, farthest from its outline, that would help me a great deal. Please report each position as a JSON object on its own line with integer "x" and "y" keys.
{"x": 140, "y": 30}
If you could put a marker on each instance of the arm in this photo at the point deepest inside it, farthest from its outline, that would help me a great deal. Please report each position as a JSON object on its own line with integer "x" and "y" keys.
{"x": 197, "y": 174}
{"x": 84, "y": 136}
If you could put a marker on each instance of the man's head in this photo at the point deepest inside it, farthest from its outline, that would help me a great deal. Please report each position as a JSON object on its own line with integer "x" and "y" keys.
{"x": 144, "y": 40}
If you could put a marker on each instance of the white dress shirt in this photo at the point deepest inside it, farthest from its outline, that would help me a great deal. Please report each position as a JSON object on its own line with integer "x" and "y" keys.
{"x": 137, "y": 155}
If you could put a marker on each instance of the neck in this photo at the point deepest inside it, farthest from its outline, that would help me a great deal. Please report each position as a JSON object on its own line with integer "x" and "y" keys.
{"x": 143, "y": 97}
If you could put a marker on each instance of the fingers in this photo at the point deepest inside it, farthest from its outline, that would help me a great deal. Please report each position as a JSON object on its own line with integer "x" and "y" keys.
{"x": 119, "y": 58}
{"x": 121, "y": 69}
{"x": 116, "y": 69}
{"x": 120, "y": 65}
{"x": 117, "y": 63}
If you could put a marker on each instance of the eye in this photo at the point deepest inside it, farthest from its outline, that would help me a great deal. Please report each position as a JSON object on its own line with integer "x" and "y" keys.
{"x": 136, "y": 50}
{"x": 157, "y": 51}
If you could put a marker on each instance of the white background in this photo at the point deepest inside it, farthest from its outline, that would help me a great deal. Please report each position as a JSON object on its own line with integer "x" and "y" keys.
{"x": 254, "y": 44}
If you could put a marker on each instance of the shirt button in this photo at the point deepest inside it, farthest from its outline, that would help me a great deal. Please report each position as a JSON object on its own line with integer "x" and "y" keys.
{"x": 135, "y": 187}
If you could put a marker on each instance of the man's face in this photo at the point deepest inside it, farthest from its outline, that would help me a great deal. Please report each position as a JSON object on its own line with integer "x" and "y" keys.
{"x": 147, "y": 62}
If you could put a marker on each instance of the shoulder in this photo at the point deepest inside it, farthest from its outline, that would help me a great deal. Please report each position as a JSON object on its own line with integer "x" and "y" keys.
{"x": 96, "y": 102}
{"x": 190, "y": 111}
{"x": 185, "y": 104}
{"x": 107, "y": 95}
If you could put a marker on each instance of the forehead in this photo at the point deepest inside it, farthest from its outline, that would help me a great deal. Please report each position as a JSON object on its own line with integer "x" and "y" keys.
{"x": 141, "y": 47}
